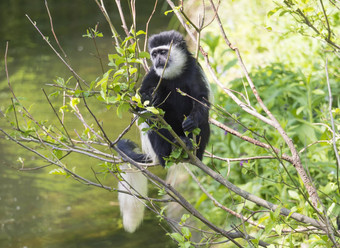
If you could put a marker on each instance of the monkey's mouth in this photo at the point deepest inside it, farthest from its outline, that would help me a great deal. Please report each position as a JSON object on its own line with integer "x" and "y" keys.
{"x": 161, "y": 65}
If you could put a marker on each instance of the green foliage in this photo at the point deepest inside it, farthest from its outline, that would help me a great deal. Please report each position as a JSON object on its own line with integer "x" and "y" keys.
{"x": 93, "y": 33}
{"x": 58, "y": 171}
{"x": 287, "y": 67}
{"x": 311, "y": 19}
{"x": 299, "y": 104}
{"x": 183, "y": 238}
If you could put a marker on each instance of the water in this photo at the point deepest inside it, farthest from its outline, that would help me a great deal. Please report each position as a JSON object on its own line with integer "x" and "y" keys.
{"x": 42, "y": 210}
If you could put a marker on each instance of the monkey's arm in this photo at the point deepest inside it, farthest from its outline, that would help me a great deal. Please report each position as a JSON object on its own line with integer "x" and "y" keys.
{"x": 199, "y": 90}
{"x": 198, "y": 115}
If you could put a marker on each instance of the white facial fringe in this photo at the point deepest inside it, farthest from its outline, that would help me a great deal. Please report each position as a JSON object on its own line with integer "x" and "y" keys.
{"x": 176, "y": 62}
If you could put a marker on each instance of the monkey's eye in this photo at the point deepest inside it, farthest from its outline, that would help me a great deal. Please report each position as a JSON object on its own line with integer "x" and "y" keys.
{"x": 163, "y": 52}
{"x": 154, "y": 54}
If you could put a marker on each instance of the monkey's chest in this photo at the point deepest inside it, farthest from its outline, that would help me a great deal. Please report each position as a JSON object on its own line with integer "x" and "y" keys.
{"x": 174, "y": 104}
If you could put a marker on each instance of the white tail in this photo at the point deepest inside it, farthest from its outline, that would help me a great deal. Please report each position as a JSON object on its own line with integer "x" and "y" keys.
{"x": 131, "y": 207}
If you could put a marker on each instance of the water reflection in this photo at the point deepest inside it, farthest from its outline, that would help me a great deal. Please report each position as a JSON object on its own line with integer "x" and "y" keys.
{"x": 42, "y": 210}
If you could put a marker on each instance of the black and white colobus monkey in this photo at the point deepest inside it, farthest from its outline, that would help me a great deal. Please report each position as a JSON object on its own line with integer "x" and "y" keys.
{"x": 182, "y": 113}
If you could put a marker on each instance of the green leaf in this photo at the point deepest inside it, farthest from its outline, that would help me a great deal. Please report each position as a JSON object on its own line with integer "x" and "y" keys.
{"x": 273, "y": 11}
{"x": 293, "y": 194}
{"x": 278, "y": 229}
{"x": 176, "y": 153}
{"x": 140, "y": 32}
{"x": 186, "y": 232}
{"x": 153, "y": 110}
{"x": 133, "y": 70}
{"x": 105, "y": 78}
{"x": 167, "y": 12}
{"x": 308, "y": 9}
{"x": 330, "y": 187}
{"x": 196, "y": 131}
{"x": 120, "y": 50}
{"x": 300, "y": 109}
{"x": 201, "y": 199}
{"x": 144, "y": 55}
{"x": 268, "y": 228}
{"x": 161, "y": 192}
{"x": 263, "y": 219}
{"x": 184, "y": 218}
{"x": 74, "y": 102}
{"x": 58, "y": 171}
{"x": 140, "y": 121}
{"x": 118, "y": 72}
{"x": 127, "y": 39}
{"x": 330, "y": 209}
{"x": 178, "y": 237}
{"x": 318, "y": 92}
{"x": 124, "y": 107}
{"x": 58, "y": 154}
{"x": 136, "y": 98}
{"x": 283, "y": 12}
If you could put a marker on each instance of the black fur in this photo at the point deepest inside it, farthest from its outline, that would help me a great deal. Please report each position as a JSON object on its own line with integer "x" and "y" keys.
{"x": 129, "y": 147}
{"x": 181, "y": 112}
{"x": 165, "y": 38}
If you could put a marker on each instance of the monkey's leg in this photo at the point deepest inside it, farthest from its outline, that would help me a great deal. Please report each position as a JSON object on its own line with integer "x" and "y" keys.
{"x": 160, "y": 145}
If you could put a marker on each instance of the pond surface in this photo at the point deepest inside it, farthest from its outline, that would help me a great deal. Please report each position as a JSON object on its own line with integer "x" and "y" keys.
{"x": 39, "y": 210}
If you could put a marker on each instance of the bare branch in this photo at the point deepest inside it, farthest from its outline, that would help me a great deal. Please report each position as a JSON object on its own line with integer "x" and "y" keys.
{"x": 55, "y": 51}
{"x": 147, "y": 25}
{"x": 103, "y": 10}
{"x": 251, "y": 140}
{"x": 52, "y": 29}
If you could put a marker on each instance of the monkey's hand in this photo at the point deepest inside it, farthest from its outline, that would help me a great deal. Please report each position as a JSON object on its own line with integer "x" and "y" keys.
{"x": 146, "y": 99}
{"x": 189, "y": 124}
{"x": 186, "y": 141}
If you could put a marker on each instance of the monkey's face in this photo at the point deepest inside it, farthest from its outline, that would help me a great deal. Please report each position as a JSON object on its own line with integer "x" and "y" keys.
{"x": 168, "y": 65}
{"x": 159, "y": 57}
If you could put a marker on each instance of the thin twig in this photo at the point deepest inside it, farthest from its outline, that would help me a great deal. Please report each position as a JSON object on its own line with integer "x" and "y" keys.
{"x": 125, "y": 130}
{"x": 327, "y": 22}
{"x": 88, "y": 182}
{"x": 103, "y": 10}
{"x": 122, "y": 18}
{"x": 60, "y": 121}
{"x": 55, "y": 51}
{"x": 95, "y": 45}
{"x": 52, "y": 29}
{"x": 251, "y": 140}
{"x": 147, "y": 25}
